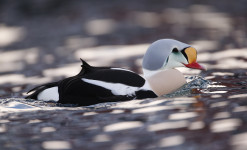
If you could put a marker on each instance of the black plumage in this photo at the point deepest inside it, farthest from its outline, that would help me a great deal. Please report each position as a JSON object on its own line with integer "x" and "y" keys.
{"x": 74, "y": 90}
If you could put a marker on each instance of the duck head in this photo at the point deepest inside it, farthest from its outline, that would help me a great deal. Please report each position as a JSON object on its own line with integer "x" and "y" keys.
{"x": 168, "y": 54}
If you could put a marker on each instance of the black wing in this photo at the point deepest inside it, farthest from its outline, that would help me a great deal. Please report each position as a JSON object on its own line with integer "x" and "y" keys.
{"x": 75, "y": 90}
{"x": 116, "y": 76}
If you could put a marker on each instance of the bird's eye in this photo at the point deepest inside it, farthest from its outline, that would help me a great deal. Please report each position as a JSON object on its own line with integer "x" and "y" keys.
{"x": 175, "y": 50}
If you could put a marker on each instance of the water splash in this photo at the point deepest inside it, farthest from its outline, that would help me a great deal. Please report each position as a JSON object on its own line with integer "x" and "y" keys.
{"x": 193, "y": 82}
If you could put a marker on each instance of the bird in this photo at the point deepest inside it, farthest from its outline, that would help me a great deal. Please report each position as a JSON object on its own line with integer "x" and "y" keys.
{"x": 93, "y": 85}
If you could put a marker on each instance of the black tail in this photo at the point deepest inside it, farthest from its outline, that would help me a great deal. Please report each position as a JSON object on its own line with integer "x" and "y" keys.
{"x": 85, "y": 68}
{"x": 85, "y": 64}
{"x": 39, "y": 89}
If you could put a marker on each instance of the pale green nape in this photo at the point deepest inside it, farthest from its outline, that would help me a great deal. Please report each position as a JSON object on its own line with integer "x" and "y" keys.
{"x": 175, "y": 60}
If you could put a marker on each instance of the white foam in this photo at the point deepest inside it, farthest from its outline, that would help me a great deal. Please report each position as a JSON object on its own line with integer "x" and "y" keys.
{"x": 49, "y": 94}
{"x": 17, "y": 106}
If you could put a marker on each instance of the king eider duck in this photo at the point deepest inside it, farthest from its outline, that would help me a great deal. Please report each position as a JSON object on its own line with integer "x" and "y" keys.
{"x": 106, "y": 84}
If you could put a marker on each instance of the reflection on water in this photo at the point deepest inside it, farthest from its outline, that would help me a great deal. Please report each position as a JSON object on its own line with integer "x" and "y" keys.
{"x": 122, "y": 126}
{"x": 171, "y": 141}
{"x": 168, "y": 125}
{"x": 102, "y": 138}
{"x": 197, "y": 125}
{"x": 47, "y": 129}
{"x": 56, "y": 145}
{"x": 225, "y": 125}
{"x": 239, "y": 141}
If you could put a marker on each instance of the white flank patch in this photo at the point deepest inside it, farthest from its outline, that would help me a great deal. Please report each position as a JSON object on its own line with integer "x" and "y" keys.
{"x": 49, "y": 94}
{"x": 116, "y": 88}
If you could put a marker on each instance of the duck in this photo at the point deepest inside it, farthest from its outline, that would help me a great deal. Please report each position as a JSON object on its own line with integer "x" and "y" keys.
{"x": 93, "y": 85}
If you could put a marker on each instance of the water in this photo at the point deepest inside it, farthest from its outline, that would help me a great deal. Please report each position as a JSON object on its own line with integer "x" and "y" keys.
{"x": 220, "y": 83}
{"x": 217, "y": 110}
{"x": 193, "y": 82}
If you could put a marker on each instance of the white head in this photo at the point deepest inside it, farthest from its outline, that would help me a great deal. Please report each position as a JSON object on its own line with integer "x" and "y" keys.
{"x": 167, "y": 54}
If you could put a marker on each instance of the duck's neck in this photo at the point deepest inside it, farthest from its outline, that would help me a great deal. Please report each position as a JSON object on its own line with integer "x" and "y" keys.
{"x": 148, "y": 73}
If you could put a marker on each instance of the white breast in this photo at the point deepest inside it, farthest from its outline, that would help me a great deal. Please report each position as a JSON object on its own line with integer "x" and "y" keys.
{"x": 49, "y": 94}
